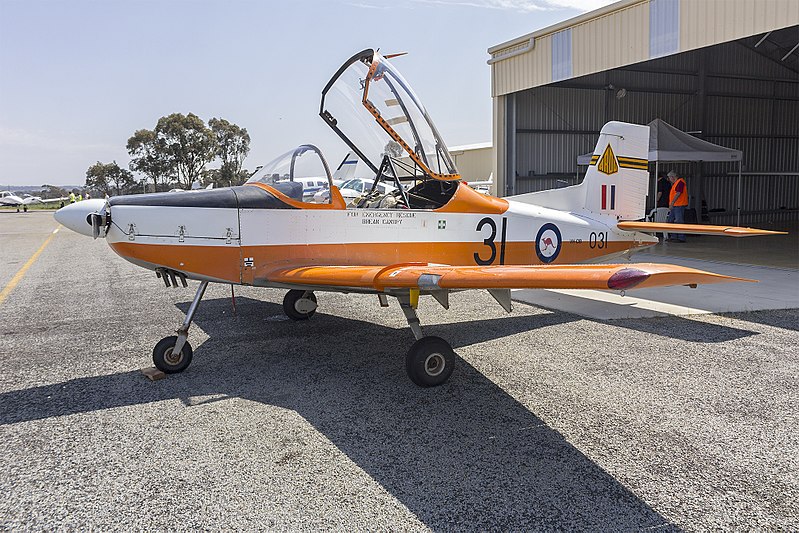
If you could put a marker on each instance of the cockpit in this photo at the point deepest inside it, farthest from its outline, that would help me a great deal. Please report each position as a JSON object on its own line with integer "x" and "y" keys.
{"x": 373, "y": 109}
{"x": 298, "y": 174}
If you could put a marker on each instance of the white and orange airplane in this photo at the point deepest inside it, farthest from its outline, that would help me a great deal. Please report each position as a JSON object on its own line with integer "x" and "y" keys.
{"x": 430, "y": 239}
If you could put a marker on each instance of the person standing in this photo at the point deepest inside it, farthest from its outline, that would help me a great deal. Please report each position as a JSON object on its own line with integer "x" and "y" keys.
{"x": 72, "y": 197}
{"x": 661, "y": 213}
{"x": 678, "y": 201}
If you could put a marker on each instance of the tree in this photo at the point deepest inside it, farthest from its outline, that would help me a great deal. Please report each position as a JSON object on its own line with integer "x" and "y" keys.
{"x": 150, "y": 157}
{"x": 109, "y": 178}
{"x": 232, "y": 147}
{"x": 187, "y": 143}
{"x": 53, "y": 191}
{"x": 223, "y": 179}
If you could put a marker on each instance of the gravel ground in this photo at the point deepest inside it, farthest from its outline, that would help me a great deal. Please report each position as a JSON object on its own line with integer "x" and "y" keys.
{"x": 550, "y": 421}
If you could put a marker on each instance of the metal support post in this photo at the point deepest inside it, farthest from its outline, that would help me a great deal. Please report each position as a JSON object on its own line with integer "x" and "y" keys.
{"x": 411, "y": 316}
{"x": 183, "y": 331}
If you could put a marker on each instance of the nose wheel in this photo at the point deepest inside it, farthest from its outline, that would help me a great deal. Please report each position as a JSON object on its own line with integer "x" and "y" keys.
{"x": 299, "y": 305}
{"x": 167, "y": 360}
{"x": 173, "y": 354}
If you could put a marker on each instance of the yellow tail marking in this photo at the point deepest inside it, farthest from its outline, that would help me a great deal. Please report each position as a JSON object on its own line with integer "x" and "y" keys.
{"x": 607, "y": 163}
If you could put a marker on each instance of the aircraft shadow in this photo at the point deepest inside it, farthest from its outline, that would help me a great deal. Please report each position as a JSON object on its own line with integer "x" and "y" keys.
{"x": 463, "y": 456}
{"x": 671, "y": 326}
{"x": 781, "y": 318}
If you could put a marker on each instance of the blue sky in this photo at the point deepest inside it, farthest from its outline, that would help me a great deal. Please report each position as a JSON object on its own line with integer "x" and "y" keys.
{"x": 78, "y": 78}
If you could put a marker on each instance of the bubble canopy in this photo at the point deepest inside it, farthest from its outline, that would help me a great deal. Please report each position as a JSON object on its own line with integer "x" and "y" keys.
{"x": 288, "y": 172}
{"x": 373, "y": 109}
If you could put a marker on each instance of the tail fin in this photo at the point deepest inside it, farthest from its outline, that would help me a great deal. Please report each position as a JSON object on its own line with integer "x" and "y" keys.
{"x": 346, "y": 170}
{"x": 616, "y": 182}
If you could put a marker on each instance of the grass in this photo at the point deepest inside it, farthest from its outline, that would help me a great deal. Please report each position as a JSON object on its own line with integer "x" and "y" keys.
{"x": 35, "y": 207}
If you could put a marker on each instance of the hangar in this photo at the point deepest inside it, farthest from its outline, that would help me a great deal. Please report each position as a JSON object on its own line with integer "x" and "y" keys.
{"x": 726, "y": 72}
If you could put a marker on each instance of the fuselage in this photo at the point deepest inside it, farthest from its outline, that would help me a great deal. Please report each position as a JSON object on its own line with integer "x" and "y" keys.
{"x": 238, "y": 235}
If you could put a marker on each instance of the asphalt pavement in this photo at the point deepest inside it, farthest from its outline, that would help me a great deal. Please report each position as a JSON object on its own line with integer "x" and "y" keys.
{"x": 551, "y": 421}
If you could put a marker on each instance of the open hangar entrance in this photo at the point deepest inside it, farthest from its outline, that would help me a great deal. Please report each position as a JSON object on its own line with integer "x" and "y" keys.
{"x": 742, "y": 94}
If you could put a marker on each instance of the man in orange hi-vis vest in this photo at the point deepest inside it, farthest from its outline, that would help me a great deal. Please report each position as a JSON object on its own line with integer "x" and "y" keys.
{"x": 678, "y": 201}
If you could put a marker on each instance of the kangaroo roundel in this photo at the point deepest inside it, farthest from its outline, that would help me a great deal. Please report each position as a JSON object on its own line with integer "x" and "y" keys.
{"x": 547, "y": 243}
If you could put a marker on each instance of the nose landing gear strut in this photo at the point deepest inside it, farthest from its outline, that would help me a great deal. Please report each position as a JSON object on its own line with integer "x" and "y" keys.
{"x": 173, "y": 354}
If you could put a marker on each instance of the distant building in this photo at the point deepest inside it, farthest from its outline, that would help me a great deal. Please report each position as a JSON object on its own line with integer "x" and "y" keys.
{"x": 474, "y": 161}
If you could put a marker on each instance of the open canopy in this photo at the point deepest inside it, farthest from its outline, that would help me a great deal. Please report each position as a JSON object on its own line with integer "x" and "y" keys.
{"x": 374, "y": 110}
{"x": 667, "y": 143}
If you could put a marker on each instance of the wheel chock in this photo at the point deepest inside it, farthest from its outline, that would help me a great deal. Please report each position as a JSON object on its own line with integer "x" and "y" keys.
{"x": 152, "y": 373}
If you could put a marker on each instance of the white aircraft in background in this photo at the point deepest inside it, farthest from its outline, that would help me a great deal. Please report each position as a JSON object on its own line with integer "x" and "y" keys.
{"x": 482, "y": 186}
{"x": 7, "y": 198}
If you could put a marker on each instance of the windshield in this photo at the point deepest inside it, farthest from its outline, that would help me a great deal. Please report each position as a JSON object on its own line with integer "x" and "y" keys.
{"x": 290, "y": 172}
{"x": 377, "y": 113}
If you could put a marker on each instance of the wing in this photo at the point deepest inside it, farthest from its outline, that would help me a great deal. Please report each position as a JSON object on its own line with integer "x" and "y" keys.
{"x": 52, "y": 200}
{"x": 695, "y": 229}
{"x": 442, "y": 277}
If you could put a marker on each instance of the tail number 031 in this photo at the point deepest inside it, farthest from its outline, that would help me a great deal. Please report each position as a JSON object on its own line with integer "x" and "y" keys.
{"x": 489, "y": 241}
{"x": 598, "y": 239}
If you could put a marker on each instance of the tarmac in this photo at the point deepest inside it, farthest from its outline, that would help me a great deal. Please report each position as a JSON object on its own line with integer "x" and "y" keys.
{"x": 552, "y": 420}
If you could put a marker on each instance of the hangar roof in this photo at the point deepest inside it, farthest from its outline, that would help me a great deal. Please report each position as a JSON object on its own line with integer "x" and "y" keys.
{"x": 628, "y": 32}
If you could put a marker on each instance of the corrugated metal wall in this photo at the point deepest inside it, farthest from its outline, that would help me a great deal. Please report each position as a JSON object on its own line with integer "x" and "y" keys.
{"x": 758, "y": 114}
{"x": 706, "y": 22}
{"x": 619, "y": 35}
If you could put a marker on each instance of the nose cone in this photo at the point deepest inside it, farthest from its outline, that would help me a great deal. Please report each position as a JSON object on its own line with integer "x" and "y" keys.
{"x": 74, "y": 216}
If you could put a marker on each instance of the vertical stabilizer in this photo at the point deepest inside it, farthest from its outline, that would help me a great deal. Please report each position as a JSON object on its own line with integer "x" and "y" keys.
{"x": 616, "y": 182}
{"x": 618, "y": 176}
{"x": 346, "y": 170}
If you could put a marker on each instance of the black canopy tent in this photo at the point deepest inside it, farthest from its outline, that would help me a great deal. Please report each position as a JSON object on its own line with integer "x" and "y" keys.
{"x": 668, "y": 144}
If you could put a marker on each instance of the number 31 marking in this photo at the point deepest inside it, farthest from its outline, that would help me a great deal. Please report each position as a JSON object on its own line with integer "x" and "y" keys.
{"x": 489, "y": 241}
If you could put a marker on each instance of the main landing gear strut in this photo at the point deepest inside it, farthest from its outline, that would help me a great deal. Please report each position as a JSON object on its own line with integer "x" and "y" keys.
{"x": 173, "y": 354}
{"x": 430, "y": 360}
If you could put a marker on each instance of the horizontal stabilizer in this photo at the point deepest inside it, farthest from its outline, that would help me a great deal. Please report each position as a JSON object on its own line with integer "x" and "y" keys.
{"x": 695, "y": 229}
{"x": 442, "y": 277}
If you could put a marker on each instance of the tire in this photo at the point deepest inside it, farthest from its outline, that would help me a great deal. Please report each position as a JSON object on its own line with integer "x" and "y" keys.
{"x": 165, "y": 362}
{"x": 430, "y": 361}
{"x": 291, "y": 300}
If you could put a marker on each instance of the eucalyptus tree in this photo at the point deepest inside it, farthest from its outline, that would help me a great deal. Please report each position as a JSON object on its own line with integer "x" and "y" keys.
{"x": 149, "y": 156}
{"x": 188, "y": 143}
{"x": 109, "y": 178}
{"x": 232, "y": 147}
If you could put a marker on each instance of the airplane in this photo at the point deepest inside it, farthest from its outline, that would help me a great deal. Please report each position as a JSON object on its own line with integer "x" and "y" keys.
{"x": 7, "y": 198}
{"x": 346, "y": 169}
{"x": 438, "y": 236}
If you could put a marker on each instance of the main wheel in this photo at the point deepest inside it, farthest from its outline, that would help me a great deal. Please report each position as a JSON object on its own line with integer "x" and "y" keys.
{"x": 430, "y": 361}
{"x": 168, "y": 362}
{"x": 299, "y": 305}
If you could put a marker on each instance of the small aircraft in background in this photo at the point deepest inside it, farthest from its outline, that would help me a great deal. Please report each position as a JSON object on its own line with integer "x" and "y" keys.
{"x": 429, "y": 235}
{"x": 7, "y": 198}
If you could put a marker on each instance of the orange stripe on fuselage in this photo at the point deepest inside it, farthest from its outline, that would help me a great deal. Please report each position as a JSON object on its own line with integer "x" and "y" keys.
{"x": 219, "y": 262}
{"x": 225, "y": 262}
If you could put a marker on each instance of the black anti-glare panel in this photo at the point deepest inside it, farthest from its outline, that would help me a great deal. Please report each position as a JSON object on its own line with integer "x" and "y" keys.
{"x": 245, "y": 197}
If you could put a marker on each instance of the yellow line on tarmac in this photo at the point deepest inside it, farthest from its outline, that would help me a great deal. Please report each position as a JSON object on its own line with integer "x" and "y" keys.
{"x": 19, "y": 275}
